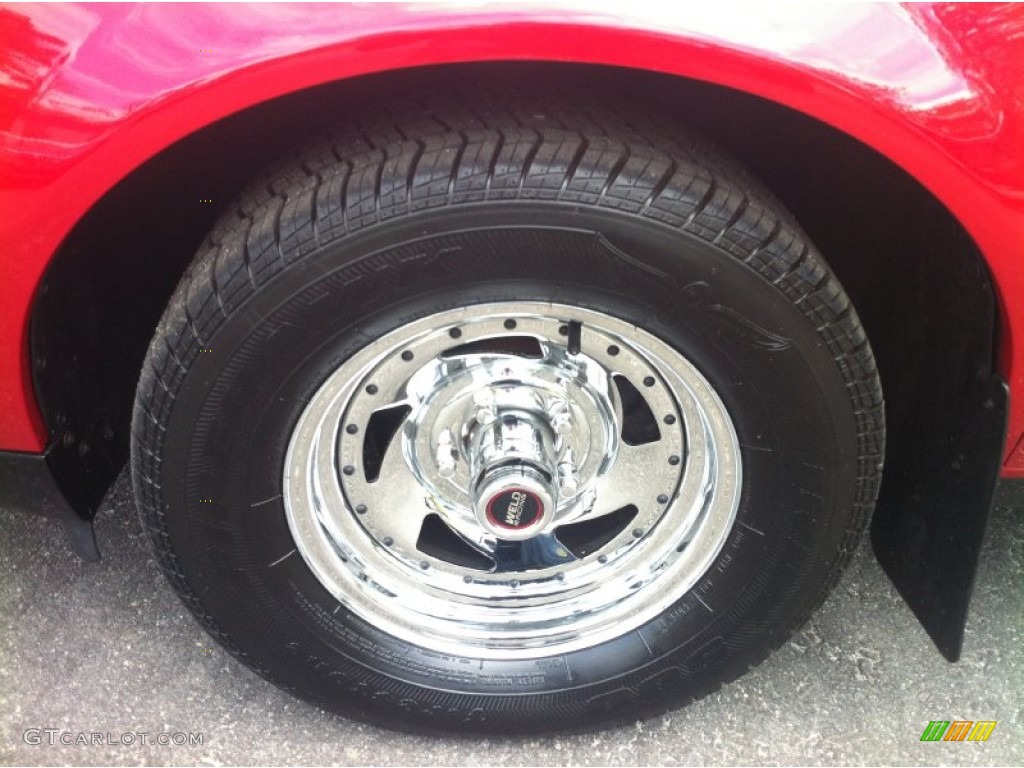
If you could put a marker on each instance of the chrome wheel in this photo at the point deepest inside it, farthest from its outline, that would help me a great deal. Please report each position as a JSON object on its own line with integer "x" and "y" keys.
{"x": 511, "y": 480}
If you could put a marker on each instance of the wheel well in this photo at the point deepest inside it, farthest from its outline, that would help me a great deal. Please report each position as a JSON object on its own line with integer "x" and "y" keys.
{"x": 882, "y": 232}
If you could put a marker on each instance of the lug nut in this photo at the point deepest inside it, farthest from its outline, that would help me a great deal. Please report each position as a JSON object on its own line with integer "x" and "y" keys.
{"x": 561, "y": 418}
{"x": 445, "y": 454}
{"x": 484, "y": 401}
{"x": 567, "y": 481}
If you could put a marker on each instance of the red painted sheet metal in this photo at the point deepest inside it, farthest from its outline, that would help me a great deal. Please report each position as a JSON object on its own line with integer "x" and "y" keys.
{"x": 88, "y": 92}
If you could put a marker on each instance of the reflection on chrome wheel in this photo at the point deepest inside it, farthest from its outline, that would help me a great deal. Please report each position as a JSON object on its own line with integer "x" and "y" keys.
{"x": 513, "y": 479}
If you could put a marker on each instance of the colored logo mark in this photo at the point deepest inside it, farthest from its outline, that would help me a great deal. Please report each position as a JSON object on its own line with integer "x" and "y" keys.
{"x": 958, "y": 730}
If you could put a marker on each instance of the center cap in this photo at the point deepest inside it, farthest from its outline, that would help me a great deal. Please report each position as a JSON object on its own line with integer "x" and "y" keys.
{"x": 514, "y": 502}
{"x": 515, "y": 509}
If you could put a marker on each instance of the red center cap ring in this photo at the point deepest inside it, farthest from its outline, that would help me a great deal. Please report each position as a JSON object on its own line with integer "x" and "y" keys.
{"x": 515, "y": 509}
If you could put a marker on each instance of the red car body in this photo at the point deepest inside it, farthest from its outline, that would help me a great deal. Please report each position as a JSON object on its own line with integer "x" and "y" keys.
{"x": 99, "y": 89}
{"x": 91, "y": 93}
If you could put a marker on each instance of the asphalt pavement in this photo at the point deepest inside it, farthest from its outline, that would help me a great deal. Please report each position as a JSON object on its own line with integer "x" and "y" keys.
{"x": 107, "y": 649}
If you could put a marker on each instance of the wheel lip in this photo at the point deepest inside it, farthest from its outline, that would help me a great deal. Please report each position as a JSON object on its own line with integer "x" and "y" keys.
{"x": 307, "y": 529}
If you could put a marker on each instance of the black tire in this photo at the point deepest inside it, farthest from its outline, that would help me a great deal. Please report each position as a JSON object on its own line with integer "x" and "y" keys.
{"x": 428, "y": 206}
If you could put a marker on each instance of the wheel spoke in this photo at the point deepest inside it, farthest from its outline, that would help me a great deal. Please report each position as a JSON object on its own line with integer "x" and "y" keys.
{"x": 638, "y": 476}
{"x": 396, "y": 503}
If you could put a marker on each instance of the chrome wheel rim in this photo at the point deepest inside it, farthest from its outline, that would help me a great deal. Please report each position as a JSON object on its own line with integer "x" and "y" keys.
{"x": 512, "y": 480}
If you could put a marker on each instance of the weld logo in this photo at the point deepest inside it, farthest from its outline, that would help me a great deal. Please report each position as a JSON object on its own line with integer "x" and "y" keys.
{"x": 958, "y": 730}
{"x": 515, "y": 509}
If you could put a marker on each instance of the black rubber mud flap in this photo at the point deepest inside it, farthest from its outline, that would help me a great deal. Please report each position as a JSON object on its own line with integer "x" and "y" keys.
{"x": 28, "y": 484}
{"x": 928, "y": 534}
